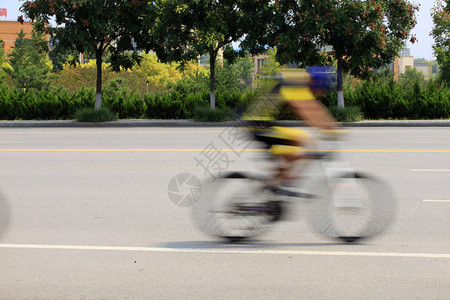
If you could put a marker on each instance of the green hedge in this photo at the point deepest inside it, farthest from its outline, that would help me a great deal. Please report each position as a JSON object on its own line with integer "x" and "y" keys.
{"x": 58, "y": 104}
{"x": 386, "y": 99}
{"x": 42, "y": 105}
{"x": 94, "y": 115}
{"x": 377, "y": 99}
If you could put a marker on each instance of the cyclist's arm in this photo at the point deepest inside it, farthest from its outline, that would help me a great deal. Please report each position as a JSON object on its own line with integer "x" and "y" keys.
{"x": 314, "y": 113}
{"x": 303, "y": 102}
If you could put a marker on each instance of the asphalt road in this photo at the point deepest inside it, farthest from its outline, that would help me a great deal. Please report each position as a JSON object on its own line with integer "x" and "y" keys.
{"x": 90, "y": 218}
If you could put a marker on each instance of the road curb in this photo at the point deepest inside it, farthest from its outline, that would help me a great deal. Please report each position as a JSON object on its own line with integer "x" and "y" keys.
{"x": 190, "y": 123}
{"x": 419, "y": 123}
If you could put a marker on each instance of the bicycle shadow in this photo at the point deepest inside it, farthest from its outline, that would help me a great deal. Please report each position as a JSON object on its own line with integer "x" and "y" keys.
{"x": 255, "y": 244}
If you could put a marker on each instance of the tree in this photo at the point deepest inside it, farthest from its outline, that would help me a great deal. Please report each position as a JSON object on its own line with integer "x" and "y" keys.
{"x": 186, "y": 29}
{"x": 364, "y": 35}
{"x": 2, "y": 61}
{"x": 245, "y": 69}
{"x": 29, "y": 66}
{"x": 94, "y": 26}
{"x": 60, "y": 57}
{"x": 435, "y": 67}
{"x": 410, "y": 77}
{"x": 270, "y": 66}
{"x": 441, "y": 35}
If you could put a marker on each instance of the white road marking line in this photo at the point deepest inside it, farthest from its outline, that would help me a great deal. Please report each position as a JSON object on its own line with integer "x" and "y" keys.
{"x": 114, "y": 132}
{"x": 418, "y": 136}
{"x": 85, "y": 130}
{"x": 412, "y": 131}
{"x": 432, "y": 142}
{"x": 226, "y": 251}
{"x": 429, "y": 170}
{"x": 436, "y": 200}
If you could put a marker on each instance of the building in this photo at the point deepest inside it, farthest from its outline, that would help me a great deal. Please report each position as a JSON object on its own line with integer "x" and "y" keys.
{"x": 424, "y": 68}
{"x": 258, "y": 61}
{"x": 402, "y": 62}
{"x": 405, "y": 61}
{"x": 9, "y": 31}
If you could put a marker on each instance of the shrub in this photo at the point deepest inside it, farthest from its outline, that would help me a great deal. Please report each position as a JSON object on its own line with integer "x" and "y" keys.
{"x": 384, "y": 98}
{"x": 205, "y": 114}
{"x": 95, "y": 115}
{"x": 346, "y": 114}
{"x": 380, "y": 98}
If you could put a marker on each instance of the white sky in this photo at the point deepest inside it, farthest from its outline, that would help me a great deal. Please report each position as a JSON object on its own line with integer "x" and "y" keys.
{"x": 423, "y": 48}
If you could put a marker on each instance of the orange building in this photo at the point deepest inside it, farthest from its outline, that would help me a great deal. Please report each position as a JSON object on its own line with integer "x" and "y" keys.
{"x": 9, "y": 31}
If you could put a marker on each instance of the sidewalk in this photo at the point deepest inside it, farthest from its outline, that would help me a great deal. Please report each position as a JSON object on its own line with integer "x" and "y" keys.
{"x": 190, "y": 123}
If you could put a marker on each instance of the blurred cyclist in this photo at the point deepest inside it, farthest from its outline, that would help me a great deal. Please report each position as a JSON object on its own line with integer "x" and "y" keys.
{"x": 298, "y": 89}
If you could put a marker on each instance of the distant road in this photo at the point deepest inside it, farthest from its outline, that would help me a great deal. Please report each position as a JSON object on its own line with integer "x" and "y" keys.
{"x": 90, "y": 218}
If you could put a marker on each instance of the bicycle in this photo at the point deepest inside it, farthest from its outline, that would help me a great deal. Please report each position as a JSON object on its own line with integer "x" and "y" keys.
{"x": 343, "y": 204}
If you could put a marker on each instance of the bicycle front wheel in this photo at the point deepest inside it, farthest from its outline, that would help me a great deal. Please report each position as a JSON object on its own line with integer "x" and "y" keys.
{"x": 352, "y": 206}
{"x": 233, "y": 207}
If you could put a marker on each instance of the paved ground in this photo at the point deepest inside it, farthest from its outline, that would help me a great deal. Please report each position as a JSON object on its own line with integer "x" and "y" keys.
{"x": 90, "y": 218}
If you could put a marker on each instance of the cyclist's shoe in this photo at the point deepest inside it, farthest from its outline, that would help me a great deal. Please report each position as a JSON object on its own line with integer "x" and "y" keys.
{"x": 276, "y": 210}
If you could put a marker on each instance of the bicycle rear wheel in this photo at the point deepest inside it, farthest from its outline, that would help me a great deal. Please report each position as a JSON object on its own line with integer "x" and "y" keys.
{"x": 352, "y": 206}
{"x": 229, "y": 207}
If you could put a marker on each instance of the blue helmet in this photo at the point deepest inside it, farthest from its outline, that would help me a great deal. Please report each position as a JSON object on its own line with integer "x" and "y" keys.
{"x": 322, "y": 77}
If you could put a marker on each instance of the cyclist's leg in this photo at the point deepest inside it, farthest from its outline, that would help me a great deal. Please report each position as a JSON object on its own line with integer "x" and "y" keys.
{"x": 290, "y": 145}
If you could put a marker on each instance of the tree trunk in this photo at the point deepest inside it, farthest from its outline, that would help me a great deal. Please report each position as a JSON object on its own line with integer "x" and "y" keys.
{"x": 340, "y": 89}
{"x": 98, "y": 92}
{"x": 212, "y": 78}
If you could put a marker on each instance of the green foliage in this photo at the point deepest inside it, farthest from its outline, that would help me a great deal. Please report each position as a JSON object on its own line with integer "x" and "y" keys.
{"x": 186, "y": 29}
{"x": 29, "y": 66}
{"x": 364, "y": 35}
{"x": 193, "y": 83}
{"x": 435, "y": 68}
{"x": 47, "y": 104}
{"x": 205, "y": 114}
{"x": 160, "y": 76}
{"x": 346, "y": 114}
{"x": 244, "y": 68}
{"x": 95, "y": 26}
{"x": 379, "y": 98}
{"x": 234, "y": 77}
{"x": 384, "y": 98}
{"x": 72, "y": 78}
{"x": 94, "y": 115}
{"x": 2, "y": 62}
{"x": 411, "y": 77}
{"x": 60, "y": 57}
{"x": 119, "y": 99}
{"x": 229, "y": 77}
{"x": 441, "y": 35}
{"x": 271, "y": 65}
{"x": 116, "y": 88}
{"x": 178, "y": 105}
